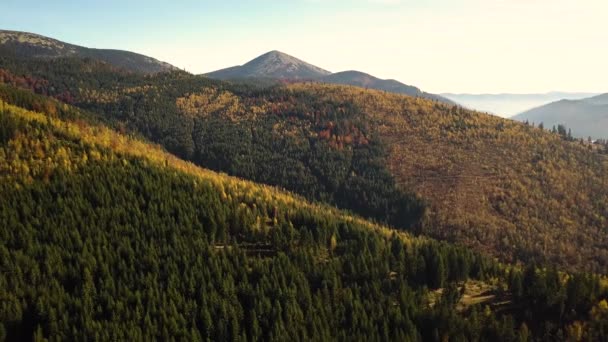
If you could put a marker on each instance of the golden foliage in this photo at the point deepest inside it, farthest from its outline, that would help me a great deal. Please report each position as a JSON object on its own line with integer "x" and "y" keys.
{"x": 211, "y": 101}
{"x": 103, "y": 143}
{"x": 498, "y": 185}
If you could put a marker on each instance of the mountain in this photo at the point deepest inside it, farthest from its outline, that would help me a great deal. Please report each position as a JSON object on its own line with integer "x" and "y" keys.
{"x": 586, "y": 117}
{"x": 274, "y": 65}
{"x": 507, "y": 105}
{"x": 498, "y": 186}
{"x": 23, "y": 44}
{"x": 99, "y": 228}
{"x": 363, "y": 80}
{"x": 280, "y": 66}
{"x": 600, "y": 100}
{"x": 107, "y": 236}
{"x": 111, "y": 229}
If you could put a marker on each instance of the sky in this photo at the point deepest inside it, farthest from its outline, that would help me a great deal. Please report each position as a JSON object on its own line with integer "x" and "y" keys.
{"x": 458, "y": 46}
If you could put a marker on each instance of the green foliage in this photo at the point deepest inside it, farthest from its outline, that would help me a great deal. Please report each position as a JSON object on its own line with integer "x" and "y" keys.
{"x": 116, "y": 247}
{"x": 509, "y": 189}
{"x": 8, "y": 127}
{"x": 107, "y": 238}
{"x": 561, "y": 300}
{"x": 242, "y": 131}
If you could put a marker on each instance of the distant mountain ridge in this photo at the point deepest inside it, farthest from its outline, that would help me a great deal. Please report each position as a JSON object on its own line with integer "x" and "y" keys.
{"x": 279, "y": 65}
{"x": 598, "y": 100}
{"x": 586, "y": 117}
{"x": 361, "y": 79}
{"x": 507, "y": 105}
{"x": 24, "y": 44}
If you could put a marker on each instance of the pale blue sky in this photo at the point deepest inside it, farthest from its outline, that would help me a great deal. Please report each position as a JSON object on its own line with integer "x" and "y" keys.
{"x": 438, "y": 45}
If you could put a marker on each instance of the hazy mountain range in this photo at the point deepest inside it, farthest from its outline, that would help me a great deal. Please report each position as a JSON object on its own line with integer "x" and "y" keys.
{"x": 279, "y": 65}
{"x": 585, "y": 117}
{"x": 507, "y": 105}
{"x": 33, "y": 45}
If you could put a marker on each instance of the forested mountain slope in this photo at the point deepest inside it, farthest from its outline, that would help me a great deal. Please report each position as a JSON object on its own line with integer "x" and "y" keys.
{"x": 363, "y": 80}
{"x": 106, "y": 237}
{"x": 504, "y": 187}
{"x": 501, "y": 187}
{"x": 24, "y": 44}
{"x": 197, "y": 119}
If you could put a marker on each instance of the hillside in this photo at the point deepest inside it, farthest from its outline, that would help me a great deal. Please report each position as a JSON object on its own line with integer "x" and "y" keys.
{"x": 273, "y": 64}
{"x": 498, "y": 186}
{"x": 107, "y": 237}
{"x": 360, "y": 79}
{"x": 495, "y": 185}
{"x": 23, "y": 44}
{"x": 276, "y": 65}
{"x": 586, "y": 117}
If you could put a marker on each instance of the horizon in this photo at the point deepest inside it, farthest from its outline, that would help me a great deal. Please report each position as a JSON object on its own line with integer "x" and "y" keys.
{"x": 482, "y": 39}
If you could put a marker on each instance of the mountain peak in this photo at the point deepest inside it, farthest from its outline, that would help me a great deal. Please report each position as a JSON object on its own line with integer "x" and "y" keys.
{"x": 40, "y": 45}
{"x": 275, "y": 53}
{"x": 273, "y": 64}
{"x": 279, "y": 65}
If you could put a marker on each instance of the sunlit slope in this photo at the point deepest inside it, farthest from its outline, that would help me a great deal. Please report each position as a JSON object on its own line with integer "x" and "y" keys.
{"x": 499, "y": 186}
{"x": 107, "y": 145}
{"x": 106, "y": 236}
{"x": 503, "y": 187}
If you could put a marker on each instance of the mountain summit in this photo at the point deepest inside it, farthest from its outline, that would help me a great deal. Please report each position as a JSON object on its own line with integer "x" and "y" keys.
{"x": 30, "y": 45}
{"x": 279, "y": 65}
{"x": 273, "y": 64}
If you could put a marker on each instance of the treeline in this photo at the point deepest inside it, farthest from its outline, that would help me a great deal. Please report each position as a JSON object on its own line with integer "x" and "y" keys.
{"x": 566, "y": 134}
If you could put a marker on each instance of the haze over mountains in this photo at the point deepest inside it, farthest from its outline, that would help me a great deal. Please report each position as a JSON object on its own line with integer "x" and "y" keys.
{"x": 585, "y": 117}
{"x": 507, "y": 105}
{"x": 279, "y": 65}
{"x": 26, "y": 44}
